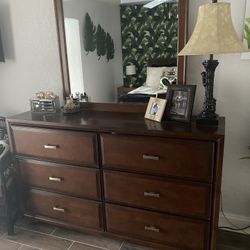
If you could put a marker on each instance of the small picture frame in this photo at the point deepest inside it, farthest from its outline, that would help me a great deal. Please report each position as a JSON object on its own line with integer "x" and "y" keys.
{"x": 180, "y": 100}
{"x": 155, "y": 109}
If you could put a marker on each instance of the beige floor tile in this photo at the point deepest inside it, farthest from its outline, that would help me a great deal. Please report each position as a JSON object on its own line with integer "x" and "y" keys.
{"x": 23, "y": 247}
{"x": 35, "y": 225}
{"x": 129, "y": 246}
{"x": 39, "y": 240}
{"x": 7, "y": 245}
{"x": 92, "y": 240}
{"x": 78, "y": 246}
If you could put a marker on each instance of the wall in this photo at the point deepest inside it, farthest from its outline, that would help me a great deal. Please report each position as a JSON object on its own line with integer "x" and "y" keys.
{"x": 32, "y": 63}
{"x": 232, "y": 91}
{"x": 31, "y": 52}
{"x": 99, "y": 76}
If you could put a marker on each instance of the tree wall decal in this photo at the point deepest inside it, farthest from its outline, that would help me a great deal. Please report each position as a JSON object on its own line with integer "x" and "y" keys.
{"x": 101, "y": 47}
{"x": 110, "y": 47}
{"x": 89, "y": 37}
{"x": 97, "y": 39}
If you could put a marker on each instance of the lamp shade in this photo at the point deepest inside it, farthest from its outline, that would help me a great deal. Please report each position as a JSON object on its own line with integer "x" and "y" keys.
{"x": 214, "y": 32}
{"x": 130, "y": 70}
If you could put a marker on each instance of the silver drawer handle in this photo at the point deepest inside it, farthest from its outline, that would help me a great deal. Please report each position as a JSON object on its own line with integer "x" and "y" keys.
{"x": 57, "y": 179}
{"x": 51, "y": 146}
{"x": 151, "y": 194}
{"x": 152, "y": 229}
{"x": 57, "y": 209}
{"x": 151, "y": 157}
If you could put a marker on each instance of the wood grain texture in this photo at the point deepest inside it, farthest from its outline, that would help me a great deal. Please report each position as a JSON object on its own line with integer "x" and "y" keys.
{"x": 72, "y": 147}
{"x": 173, "y": 231}
{"x": 79, "y": 212}
{"x": 76, "y": 181}
{"x": 181, "y": 158}
{"x": 160, "y": 194}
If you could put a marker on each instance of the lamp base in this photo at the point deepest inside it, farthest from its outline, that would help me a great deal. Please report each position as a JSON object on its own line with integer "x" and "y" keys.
{"x": 201, "y": 120}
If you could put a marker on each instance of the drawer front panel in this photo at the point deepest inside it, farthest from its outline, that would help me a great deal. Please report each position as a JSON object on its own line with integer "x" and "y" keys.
{"x": 169, "y": 157}
{"x": 64, "y": 146}
{"x": 70, "y": 210}
{"x": 156, "y": 227}
{"x": 77, "y": 181}
{"x": 160, "y": 194}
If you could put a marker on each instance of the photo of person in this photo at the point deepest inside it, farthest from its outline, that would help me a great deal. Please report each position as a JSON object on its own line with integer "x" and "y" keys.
{"x": 155, "y": 108}
{"x": 179, "y": 103}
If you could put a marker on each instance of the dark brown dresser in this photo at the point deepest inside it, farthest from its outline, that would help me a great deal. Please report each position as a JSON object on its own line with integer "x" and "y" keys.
{"x": 117, "y": 174}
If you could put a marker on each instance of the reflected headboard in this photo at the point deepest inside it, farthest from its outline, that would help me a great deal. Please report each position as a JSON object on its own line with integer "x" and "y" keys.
{"x": 163, "y": 62}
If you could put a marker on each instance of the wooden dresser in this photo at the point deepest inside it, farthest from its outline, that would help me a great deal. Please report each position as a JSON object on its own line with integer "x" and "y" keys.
{"x": 120, "y": 175}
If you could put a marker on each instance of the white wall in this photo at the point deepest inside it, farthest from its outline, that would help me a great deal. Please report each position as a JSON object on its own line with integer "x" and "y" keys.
{"x": 100, "y": 76}
{"x": 232, "y": 91}
{"x": 30, "y": 46}
{"x": 29, "y": 33}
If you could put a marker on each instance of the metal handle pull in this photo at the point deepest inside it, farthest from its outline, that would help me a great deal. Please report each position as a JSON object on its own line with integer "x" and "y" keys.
{"x": 57, "y": 179}
{"x": 152, "y": 229}
{"x": 57, "y": 209}
{"x": 151, "y": 157}
{"x": 151, "y": 194}
{"x": 51, "y": 146}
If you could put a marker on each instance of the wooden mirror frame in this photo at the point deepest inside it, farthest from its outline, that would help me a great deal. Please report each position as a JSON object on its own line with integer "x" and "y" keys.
{"x": 182, "y": 35}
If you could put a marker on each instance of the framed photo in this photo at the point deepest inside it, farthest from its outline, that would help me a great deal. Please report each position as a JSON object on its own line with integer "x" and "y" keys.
{"x": 180, "y": 100}
{"x": 155, "y": 109}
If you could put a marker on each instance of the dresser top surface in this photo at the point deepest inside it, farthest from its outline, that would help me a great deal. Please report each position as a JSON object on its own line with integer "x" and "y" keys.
{"x": 126, "y": 123}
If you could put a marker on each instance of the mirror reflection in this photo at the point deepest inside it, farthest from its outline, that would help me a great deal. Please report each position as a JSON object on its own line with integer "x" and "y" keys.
{"x": 116, "y": 48}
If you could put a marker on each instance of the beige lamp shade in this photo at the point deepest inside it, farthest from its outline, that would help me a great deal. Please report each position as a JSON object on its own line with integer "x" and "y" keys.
{"x": 130, "y": 70}
{"x": 214, "y": 32}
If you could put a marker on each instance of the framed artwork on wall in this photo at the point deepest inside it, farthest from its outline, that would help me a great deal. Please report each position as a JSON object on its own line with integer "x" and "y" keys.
{"x": 180, "y": 100}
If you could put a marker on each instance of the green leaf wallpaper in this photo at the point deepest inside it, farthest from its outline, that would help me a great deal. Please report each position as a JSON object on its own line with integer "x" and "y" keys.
{"x": 247, "y": 32}
{"x": 148, "y": 34}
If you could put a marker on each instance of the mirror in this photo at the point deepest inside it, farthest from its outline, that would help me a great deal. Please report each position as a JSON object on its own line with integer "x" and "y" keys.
{"x": 102, "y": 47}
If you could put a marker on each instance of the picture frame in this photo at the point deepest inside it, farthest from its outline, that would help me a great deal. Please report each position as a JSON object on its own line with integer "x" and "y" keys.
{"x": 180, "y": 100}
{"x": 155, "y": 109}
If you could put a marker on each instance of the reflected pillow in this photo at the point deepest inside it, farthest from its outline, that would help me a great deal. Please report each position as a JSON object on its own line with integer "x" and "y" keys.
{"x": 154, "y": 75}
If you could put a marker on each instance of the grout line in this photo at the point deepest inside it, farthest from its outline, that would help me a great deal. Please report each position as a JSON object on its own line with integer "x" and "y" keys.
{"x": 19, "y": 248}
{"x": 71, "y": 245}
{"x": 23, "y": 244}
{"x": 121, "y": 245}
{"x": 53, "y": 231}
{"x": 62, "y": 238}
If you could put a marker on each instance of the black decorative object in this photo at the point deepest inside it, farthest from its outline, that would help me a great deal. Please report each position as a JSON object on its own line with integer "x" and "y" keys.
{"x": 110, "y": 47}
{"x": 208, "y": 115}
{"x": 89, "y": 37}
{"x": 2, "y": 59}
{"x": 180, "y": 100}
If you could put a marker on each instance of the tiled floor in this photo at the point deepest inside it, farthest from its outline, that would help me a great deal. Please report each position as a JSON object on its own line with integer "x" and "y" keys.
{"x": 31, "y": 235}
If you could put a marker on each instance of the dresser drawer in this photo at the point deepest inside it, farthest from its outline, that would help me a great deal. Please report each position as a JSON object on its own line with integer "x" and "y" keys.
{"x": 60, "y": 145}
{"x": 177, "y": 197}
{"x": 161, "y": 156}
{"x": 77, "y": 181}
{"x": 75, "y": 211}
{"x": 158, "y": 228}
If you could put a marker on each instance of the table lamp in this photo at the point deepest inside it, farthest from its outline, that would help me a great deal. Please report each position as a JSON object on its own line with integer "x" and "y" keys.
{"x": 214, "y": 33}
{"x": 130, "y": 71}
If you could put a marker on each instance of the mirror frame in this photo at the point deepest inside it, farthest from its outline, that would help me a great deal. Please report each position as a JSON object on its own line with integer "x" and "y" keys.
{"x": 182, "y": 37}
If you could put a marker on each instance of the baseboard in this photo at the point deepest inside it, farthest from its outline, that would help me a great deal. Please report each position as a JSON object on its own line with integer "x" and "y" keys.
{"x": 239, "y": 221}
